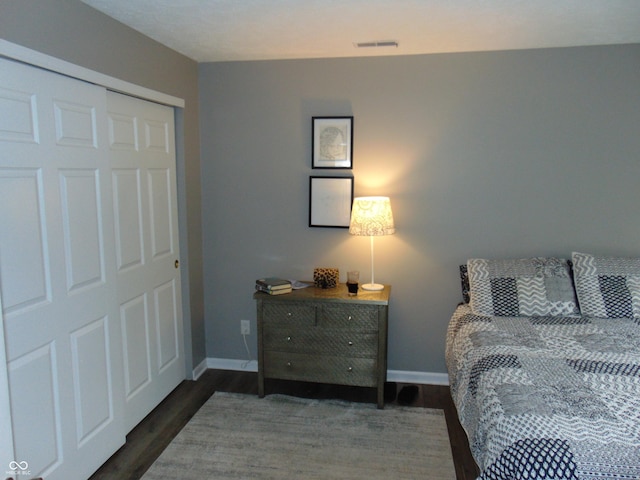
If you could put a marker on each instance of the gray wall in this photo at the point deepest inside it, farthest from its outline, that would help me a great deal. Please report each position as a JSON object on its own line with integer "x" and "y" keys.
{"x": 501, "y": 154}
{"x": 72, "y": 31}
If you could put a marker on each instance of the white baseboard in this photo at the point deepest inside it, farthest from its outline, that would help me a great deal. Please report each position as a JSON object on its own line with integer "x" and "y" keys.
{"x": 402, "y": 376}
{"x": 231, "y": 364}
{"x": 425, "y": 378}
{"x": 199, "y": 369}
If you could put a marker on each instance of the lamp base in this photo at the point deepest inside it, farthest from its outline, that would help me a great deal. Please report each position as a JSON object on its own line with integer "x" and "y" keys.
{"x": 373, "y": 287}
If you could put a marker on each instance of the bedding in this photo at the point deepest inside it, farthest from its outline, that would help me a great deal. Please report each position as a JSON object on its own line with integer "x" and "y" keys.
{"x": 547, "y": 397}
{"x": 607, "y": 287}
{"x": 521, "y": 287}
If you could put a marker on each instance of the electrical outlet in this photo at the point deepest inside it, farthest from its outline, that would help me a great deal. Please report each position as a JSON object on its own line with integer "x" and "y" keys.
{"x": 245, "y": 327}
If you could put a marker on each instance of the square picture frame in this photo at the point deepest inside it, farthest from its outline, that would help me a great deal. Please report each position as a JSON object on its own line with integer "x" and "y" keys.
{"x": 332, "y": 142}
{"x": 330, "y": 200}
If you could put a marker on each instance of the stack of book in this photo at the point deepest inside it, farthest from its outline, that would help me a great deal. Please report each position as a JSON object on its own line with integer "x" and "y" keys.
{"x": 273, "y": 285}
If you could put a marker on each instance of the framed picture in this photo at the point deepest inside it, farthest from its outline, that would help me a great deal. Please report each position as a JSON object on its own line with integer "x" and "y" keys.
{"x": 332, "y": 142}
{"x": 330, "y": 200}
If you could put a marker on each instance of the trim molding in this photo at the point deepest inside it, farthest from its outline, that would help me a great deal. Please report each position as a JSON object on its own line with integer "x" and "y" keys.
{"x": 199, "y": 370}
{"x": 47, "y": 62}
{"x": 232, "y": 364}
{"x": 403, "y": 376}
{"x": 426, "y": 378}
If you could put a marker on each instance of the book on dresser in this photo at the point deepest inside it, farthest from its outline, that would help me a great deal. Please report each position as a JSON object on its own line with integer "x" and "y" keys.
{"x": 277, "y": 291}
{"x": 273, "y": 285}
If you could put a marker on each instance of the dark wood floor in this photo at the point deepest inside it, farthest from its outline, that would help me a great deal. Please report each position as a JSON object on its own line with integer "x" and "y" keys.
{"x": 146, "y": 442}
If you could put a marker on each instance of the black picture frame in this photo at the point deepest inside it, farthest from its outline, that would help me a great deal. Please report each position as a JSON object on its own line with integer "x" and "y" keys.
{"x": 330, "y": 201}
{"x": 332, "y": 142}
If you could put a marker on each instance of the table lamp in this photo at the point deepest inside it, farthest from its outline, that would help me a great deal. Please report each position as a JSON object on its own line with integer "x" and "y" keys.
{"x": 371, "y": 216}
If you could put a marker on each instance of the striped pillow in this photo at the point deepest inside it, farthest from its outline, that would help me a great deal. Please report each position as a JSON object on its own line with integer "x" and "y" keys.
{"x": 607, "y": 287}
{"x": 521, "y": 287}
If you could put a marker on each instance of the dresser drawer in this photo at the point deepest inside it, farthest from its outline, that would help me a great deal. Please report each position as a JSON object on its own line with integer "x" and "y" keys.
{"x": 289, "y": 314}
{"x": 362, "y": 318}
{"x": 314, "y": 340}
{"x": 320, "y": 368}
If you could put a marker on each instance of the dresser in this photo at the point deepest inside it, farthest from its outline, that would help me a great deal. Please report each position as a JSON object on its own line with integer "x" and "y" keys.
{"x": 324, "y": 336}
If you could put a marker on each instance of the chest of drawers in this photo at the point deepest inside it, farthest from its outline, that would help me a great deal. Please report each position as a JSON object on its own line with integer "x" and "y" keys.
{"x": 324, "y": 336}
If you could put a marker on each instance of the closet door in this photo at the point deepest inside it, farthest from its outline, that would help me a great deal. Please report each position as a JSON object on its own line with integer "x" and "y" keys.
{"x": 142, "y": 144}
{"x": 6, "y": 432}
{"x": 58, "y": 275}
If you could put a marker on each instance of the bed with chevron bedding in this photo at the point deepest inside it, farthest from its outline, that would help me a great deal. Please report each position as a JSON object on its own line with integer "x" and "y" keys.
{"x": 544, "y": 367}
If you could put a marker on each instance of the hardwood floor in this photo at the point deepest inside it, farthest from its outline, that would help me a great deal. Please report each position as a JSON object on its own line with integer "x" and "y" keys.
{"x": 146, "y": 441}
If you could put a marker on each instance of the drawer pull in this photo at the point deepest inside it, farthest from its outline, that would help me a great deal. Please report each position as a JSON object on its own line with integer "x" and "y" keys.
{"x": 350, "y": 369}
{"x": 289, "y": 364}
{"x": 289, "y": 314}
{"x": 288, "y": 339}
{"x": 350, "y": 317}
{"x": 350, "y": 344}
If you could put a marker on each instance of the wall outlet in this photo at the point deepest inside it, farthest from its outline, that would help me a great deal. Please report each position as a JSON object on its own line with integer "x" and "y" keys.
{"x": 245, "y": 327}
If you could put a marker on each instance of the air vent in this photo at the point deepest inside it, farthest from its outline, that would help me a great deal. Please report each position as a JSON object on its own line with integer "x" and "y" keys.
{"x": 382, "y": 43}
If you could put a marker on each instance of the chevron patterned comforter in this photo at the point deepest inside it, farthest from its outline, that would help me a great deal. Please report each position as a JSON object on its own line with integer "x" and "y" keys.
{"x": 547, "y": 397}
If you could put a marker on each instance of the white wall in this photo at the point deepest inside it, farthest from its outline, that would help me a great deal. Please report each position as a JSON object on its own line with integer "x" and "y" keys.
{"x": 500, "y": 154}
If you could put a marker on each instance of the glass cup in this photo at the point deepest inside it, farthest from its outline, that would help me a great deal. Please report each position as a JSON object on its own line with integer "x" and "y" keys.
{"x": 352, "y": 282}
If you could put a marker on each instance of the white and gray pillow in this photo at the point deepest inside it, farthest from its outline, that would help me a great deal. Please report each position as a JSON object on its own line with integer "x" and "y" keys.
{"x": 521, "y": 287}
{"x": 607, "y": 287}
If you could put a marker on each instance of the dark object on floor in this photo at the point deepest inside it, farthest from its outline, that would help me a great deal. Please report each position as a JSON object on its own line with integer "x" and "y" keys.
{"x": 390, "y": 391}
{"x": 407, "y": 395}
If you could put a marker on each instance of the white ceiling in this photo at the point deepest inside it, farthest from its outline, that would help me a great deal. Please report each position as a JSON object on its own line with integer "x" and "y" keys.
{"x": 232, "y": 30}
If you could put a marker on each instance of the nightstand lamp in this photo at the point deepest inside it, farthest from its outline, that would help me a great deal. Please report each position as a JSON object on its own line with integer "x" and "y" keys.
{"x": 371, "y": 216}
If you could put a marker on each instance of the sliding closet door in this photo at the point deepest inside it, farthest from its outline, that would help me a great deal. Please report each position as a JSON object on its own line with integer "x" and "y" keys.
{"x": 6, "y": 432}
{"x": 58, "y": 275}
{"x": 142, "y": 143}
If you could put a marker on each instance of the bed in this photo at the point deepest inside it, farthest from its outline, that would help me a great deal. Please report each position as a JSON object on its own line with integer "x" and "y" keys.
{"x": 544, "y": 367}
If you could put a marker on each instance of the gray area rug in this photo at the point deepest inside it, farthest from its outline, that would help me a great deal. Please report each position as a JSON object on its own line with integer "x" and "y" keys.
{"x": 236, "y": 436}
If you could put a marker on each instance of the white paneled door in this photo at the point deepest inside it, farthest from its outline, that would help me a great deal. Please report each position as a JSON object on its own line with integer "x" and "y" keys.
{"x": 89, "y": 291}
{"x": 57, "y": 274}
{"x": 141, "y": 139}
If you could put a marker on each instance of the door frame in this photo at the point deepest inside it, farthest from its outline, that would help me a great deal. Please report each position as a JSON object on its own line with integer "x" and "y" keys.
{"x": 6, "y": 431}
{"x": 37, "y": 59}
{"x": 47, "y": 62}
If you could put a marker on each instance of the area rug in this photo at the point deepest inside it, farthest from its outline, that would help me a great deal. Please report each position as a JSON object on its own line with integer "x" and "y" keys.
{"x": 236, "y": 436}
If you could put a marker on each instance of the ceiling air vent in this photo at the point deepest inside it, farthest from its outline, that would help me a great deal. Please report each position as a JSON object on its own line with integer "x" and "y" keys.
{"x": 381, "y": 43}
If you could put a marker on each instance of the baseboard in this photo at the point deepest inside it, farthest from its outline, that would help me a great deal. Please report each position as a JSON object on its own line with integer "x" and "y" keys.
{"x": 231, "y": 364}
{"x": 402, "y": 376}
{"x": 199, "y": 369}
{"x": 425, "y": 378}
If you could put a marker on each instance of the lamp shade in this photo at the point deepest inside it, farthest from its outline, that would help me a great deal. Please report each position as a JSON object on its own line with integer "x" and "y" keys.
{"x": 371, "y": 216}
